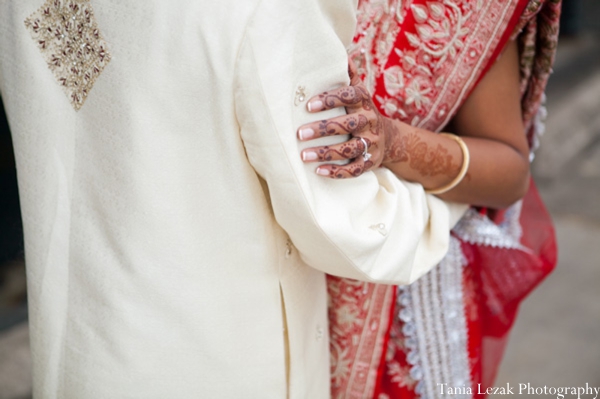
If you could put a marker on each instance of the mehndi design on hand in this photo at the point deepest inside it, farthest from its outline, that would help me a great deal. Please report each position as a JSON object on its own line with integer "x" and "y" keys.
{"x": 363, "y": 122}
{"x": 413, "y": 149}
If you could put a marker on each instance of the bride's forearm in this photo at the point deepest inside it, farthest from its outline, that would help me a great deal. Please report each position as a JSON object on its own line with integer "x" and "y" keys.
{"x": 497, "y": 176}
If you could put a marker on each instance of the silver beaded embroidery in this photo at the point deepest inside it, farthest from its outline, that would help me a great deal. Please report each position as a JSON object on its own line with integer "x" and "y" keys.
{"x": 435, "y": 327}
{"x": 67, "y": 34}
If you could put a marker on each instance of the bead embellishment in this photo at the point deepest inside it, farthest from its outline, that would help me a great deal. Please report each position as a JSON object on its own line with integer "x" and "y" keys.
{"x": 68, "y": 37}
{"x": 320, "y": 333}
{"x": 289, "y": 248}
{"x": 300, "y": 95}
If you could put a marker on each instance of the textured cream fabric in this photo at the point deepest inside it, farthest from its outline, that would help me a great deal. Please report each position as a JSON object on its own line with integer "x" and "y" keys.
{"x": 156, "y": 258}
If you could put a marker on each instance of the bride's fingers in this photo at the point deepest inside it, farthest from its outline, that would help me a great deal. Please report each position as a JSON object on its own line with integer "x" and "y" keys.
{"x": 353, "y": 148}
{"x": 341, "y": 125}
{"x": 349, "y": 97}
{"x": 353, "y": 169}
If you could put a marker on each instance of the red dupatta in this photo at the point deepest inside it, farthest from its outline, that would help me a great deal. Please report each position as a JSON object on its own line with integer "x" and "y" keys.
{"x": 421, "y": 59}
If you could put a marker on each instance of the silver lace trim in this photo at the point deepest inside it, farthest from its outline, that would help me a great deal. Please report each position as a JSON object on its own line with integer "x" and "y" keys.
{"x": 539, "y": 127}
{"x": 475, "y": 228}
{"x": 435, "y": 328}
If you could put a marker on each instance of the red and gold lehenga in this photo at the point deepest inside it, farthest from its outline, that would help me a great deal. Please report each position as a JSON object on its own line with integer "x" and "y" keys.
{"x": 421, "y": 59}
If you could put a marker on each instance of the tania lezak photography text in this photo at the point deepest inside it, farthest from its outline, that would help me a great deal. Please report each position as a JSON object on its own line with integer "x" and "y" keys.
{"x": 524, "y": 389}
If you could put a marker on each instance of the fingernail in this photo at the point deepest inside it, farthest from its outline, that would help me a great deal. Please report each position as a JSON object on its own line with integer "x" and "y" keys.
{"x": 309, "y": 155}
{"x": 315, "y": 105}
{"x": 323, "y": 172}
{"x": 305, "y": 134}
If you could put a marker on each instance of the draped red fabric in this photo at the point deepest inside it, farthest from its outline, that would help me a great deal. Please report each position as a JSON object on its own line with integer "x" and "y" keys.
{"x": 508, "y": 276}
{"x": 420, "y": 59}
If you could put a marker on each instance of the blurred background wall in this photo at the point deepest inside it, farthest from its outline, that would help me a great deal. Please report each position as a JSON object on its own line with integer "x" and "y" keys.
{"x": 556, "y": 340}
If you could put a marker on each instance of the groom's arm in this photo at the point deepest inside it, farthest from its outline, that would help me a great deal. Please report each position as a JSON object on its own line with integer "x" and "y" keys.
{"x": 374, "y": 227}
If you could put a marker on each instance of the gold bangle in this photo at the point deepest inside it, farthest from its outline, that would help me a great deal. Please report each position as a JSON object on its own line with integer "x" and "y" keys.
{"x": 463, "y": 169}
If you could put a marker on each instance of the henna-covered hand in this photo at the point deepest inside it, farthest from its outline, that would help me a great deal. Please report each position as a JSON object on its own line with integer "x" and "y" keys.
{"x": 412, "y": 154}
{"x": 363, "y": 120}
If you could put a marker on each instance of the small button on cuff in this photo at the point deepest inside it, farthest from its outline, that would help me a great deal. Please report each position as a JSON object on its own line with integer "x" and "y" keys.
{"x": 380, "y": 228}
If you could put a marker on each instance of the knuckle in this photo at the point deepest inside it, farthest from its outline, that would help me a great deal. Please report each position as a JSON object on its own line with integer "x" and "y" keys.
{"x": 353, "y": 123}
{"x": 356, "y": 95}
{"x": 324, "y": 154}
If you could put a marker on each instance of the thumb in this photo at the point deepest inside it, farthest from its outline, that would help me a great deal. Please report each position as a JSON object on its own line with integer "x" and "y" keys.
{"x": 353, "y": 73}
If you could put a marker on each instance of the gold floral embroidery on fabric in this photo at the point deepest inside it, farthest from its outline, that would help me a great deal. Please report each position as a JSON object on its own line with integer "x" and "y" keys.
{"x": 67, "y": 34}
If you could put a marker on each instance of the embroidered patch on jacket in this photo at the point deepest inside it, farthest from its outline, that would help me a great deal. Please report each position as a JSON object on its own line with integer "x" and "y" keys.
{"x": 67, "y": 34}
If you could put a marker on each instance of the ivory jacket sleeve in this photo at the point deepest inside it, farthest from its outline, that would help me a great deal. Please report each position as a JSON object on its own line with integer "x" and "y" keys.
{"x": 374, "y": 227}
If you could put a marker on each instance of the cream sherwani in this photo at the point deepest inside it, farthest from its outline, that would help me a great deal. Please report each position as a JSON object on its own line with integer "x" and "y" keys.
{"x": 176, "y": 244}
